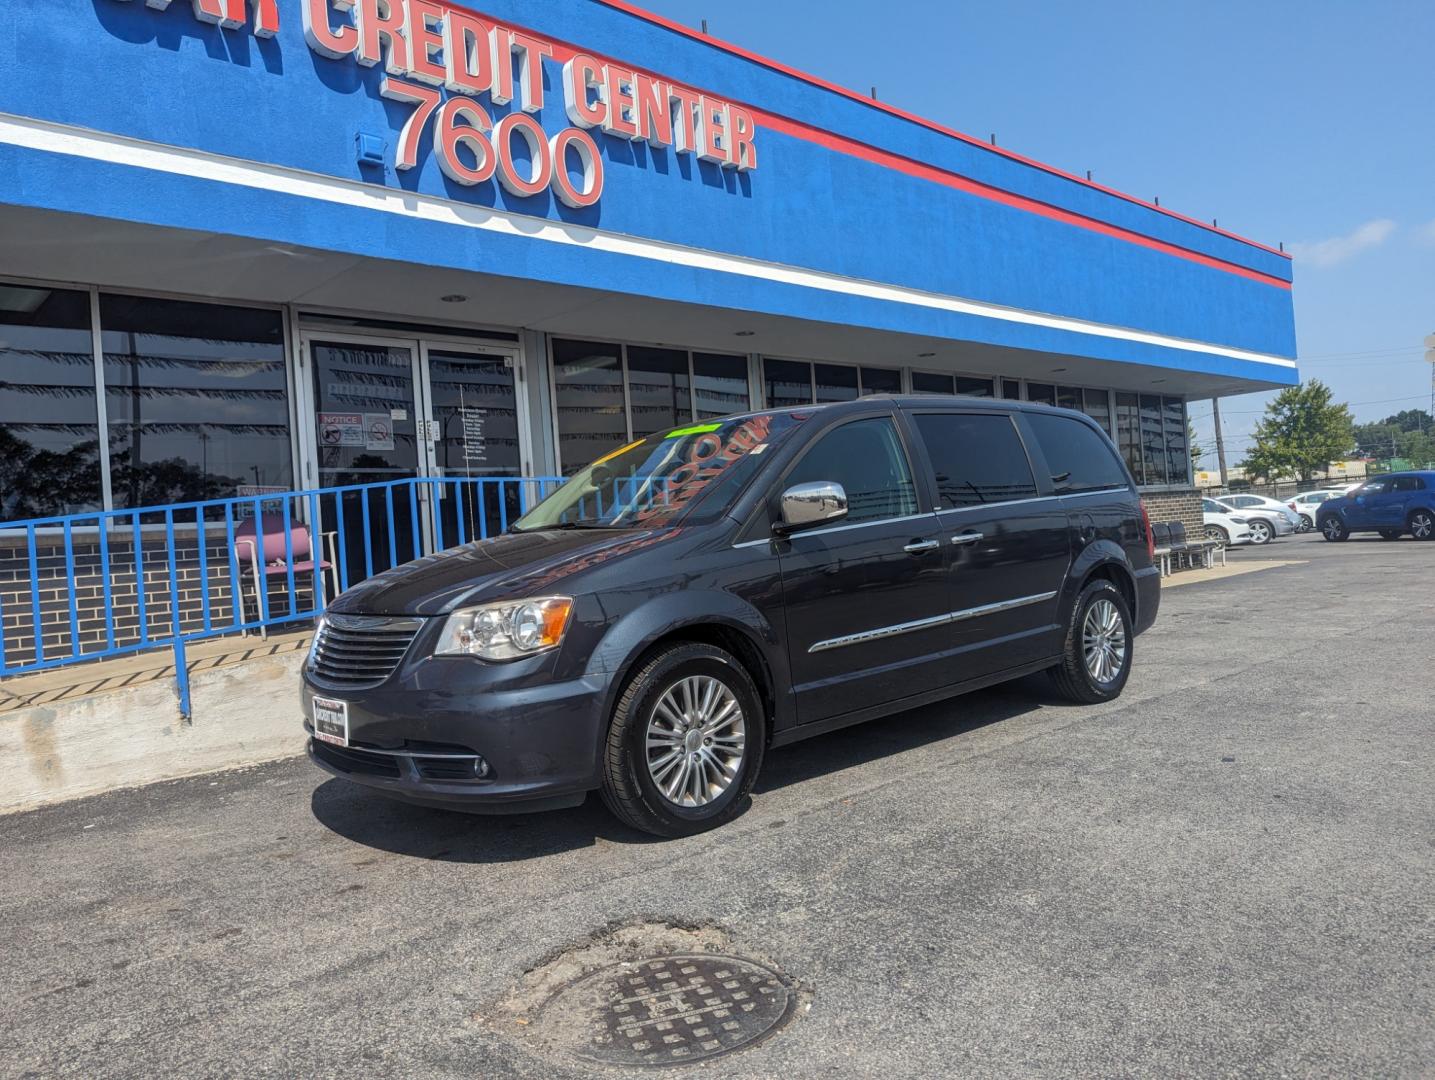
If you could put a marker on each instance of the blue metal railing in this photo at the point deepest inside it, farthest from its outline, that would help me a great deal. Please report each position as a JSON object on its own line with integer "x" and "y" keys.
{"x": 191, "y": 563}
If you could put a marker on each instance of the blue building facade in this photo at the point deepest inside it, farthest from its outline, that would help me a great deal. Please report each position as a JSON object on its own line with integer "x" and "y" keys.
{"x": 255, "y": 245}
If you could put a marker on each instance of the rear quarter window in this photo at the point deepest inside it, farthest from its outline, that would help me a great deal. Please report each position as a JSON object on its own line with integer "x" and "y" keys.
{"x": 1080, "y": 459}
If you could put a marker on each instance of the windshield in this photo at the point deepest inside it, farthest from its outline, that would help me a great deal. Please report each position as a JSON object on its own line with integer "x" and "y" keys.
{"x": 655, "y": 480}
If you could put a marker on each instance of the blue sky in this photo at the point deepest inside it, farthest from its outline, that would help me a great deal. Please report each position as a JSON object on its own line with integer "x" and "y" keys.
{"x": 1305, "y": 121}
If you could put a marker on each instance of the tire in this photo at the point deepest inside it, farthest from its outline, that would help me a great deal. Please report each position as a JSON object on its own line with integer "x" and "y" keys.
{"x": 1306, "y": 524}
{"x": 1391, "y": 534}
{"x": 1215, "y": 532}
{"x": 1333, "y": 528}
{"x": 1076, "y": 678}
{"x": 1422, "y": 524}
{"x": 1262, "y": 532}
{"x": 663, "y": 699}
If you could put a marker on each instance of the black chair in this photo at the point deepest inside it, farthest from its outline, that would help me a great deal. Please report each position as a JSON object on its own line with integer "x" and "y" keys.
{"x": 1161, "y": 541}
{"x": 1180, "y": 546}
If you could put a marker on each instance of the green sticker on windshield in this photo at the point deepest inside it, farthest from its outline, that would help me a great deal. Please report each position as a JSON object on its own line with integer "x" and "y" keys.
{"x": 696, "y": 429}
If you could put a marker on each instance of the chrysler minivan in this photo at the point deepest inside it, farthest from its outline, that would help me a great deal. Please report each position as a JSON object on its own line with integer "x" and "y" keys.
{"x": 698, "y": 597}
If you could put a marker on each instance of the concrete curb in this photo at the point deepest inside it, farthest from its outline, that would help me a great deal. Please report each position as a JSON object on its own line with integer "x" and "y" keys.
{"x": 243, "y": 715}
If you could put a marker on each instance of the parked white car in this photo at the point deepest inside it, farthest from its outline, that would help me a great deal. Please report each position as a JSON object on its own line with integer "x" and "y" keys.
{"x": 1224, "y": 525}
{"x": 1265, "y": 524}
{"x": 1306, "y": 503}
{"x": 1246, "y": 502}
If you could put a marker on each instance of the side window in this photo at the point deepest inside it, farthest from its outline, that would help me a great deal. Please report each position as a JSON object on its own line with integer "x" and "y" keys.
{"x": 977, "y": 457}
{"x": 1375, "y": 487}
{"x": 1408, "y": 483}
{"x": 1073, "y": 448}
{"x": 867, "y": 459}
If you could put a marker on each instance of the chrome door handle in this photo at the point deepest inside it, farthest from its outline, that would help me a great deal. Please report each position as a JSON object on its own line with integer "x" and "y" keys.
{"x": 916, "y": 547}
{"x": 967, "y": 538}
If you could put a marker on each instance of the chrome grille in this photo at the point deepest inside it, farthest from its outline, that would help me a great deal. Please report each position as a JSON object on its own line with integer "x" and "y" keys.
{"x": 360, "y": 650}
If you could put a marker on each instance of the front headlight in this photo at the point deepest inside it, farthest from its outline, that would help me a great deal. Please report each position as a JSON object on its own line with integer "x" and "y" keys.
{"x": 506, "y": 631}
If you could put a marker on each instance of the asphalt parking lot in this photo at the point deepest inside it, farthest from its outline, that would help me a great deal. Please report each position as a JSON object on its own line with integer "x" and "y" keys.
{"x": 1228, "y": 872}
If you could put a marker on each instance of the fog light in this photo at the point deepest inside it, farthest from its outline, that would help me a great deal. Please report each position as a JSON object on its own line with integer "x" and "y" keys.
{"x": 480, "y": 768}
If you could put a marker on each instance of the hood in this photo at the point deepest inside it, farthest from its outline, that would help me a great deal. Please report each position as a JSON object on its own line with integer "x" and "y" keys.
{"x": 501, "y": 568}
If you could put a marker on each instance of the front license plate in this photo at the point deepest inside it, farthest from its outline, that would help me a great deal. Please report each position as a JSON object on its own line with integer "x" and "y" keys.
{"x": 331, "y": 721}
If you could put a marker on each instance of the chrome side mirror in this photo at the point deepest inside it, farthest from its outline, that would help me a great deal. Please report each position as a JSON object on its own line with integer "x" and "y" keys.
{"x": 806, "y": 505}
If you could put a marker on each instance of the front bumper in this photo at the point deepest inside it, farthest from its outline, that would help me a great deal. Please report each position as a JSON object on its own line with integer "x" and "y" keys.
{"x": 419, "y": 742}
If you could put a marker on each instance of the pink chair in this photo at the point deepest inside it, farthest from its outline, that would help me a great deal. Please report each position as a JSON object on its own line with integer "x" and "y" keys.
{"x": 260, "y": 548}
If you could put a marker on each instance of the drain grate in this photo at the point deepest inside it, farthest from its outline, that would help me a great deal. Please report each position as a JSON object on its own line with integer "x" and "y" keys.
{"x": 672, "y": 1010}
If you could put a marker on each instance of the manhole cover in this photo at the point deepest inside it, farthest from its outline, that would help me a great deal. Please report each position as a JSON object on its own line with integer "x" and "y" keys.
{"x": 670, "y": 1011}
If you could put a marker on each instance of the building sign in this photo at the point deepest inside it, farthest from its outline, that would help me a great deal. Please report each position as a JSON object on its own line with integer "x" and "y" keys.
{"x": 454, "y": 66}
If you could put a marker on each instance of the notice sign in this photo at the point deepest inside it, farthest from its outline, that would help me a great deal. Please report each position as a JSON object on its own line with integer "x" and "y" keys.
{"x": 475, "y": 443}
{"x": 341, "y": 429}
{"x": 378, "y": 431}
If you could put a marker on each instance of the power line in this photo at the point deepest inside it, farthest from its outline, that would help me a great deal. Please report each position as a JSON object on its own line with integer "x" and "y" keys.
{"x": 1362, "y": 352}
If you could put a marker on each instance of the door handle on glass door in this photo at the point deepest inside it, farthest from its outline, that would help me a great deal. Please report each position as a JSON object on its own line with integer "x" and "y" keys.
{"x": 967, "y": 538}
{"x": 916, "y": 547}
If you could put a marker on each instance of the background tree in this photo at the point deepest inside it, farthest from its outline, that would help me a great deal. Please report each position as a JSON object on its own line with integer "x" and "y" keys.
{"x": 1409, "y": 434}
{"x": 1302, "y": 432}
{"x": 1196, "y": 452}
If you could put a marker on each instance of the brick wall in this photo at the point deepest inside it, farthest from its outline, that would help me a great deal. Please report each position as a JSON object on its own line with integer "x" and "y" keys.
{"x": 88, "y": 598}
{"x": 1183, "y": 506}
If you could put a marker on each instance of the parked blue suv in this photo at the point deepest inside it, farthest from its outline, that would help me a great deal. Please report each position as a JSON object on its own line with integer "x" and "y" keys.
{"x": 1390, "y": 505}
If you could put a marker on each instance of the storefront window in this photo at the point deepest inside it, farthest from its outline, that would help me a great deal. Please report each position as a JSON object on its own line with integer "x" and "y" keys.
{"x": 1069, "y": 397}
{"x": 1011, "y": 390}
{"x": 1153, "y": 440}
{"x": 1042, "y": 393}
{"x": 588, "y": 385}
{"x": 1178, "y": 455}
{"x": 970, "y": 387}
{"x": 787, "y": 383}
{"x": 790, "y": 383}
{"x": 1128, "y": 433}
{"x": 1097, "y": 405}
{"x": 197, "y": 401}
{"x": 659, "y": 394}
{"x": 881, "y": 381}
{"x": 720, "y": 385}
{"x": 49, "y": 432}
{"x": 835, "y": 382}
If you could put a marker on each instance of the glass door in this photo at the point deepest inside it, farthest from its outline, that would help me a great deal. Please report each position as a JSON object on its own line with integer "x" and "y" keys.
{"x": 366, "y": 431}
{"x": 475, "y": 433}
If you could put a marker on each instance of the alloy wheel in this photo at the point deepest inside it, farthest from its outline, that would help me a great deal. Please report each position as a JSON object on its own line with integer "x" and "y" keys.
{"x": 695, "y": 741}
{"x": 1260, "y": 532}
{"x": 1103, "y": 641}
{"x": 1422, "y": 525}
{"x": 1332, "y": 528}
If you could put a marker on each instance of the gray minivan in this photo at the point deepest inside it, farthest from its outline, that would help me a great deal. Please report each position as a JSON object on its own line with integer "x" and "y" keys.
{"x": 695, "y": 598}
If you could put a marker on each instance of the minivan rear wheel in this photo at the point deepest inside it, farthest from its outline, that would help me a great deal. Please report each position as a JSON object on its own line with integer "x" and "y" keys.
{"x": 1097, "y": 658}
{"x": 686, "y": 742}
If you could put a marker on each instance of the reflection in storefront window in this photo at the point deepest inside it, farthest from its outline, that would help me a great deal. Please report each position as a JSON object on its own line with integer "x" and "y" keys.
{"x": 659, "y": 395}
{"x": 1153, "y": 440}
{"x": 787, "y": 383}
{"x": 1128, "y": 433}
{"x": 835, "y": 383}
{"x": 720, "y": 385}
{"x": 196, "y": 400}
{"x": 49, "y": 434}
{"x": 588, "y": 385}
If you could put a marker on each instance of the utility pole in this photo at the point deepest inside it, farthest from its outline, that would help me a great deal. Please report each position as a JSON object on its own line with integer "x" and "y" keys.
{"x": 1220, "y": 440}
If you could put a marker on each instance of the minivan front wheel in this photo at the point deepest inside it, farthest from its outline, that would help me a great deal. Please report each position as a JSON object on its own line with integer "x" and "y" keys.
{"x": 686, "y": 742}
{"x": 1097, "y": 657}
